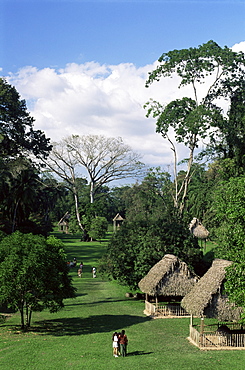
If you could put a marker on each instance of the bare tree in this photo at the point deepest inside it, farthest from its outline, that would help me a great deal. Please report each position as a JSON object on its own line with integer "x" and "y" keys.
{"x": 62, "y": 163}
{"x": 105, "y": 159}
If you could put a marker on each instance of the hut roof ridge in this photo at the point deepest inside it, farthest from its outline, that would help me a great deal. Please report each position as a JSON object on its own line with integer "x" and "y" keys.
{"x": 201, "y": 294}
{"x": 169, "y": 276}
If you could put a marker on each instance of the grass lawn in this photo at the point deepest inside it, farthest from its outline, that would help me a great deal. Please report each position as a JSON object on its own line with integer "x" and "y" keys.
{"x": 79, "y": 336}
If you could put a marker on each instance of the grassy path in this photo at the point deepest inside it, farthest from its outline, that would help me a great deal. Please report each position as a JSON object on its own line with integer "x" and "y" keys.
{"x": 79, "y": 336}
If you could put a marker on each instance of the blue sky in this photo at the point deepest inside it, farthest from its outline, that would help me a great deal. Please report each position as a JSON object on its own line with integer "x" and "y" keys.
{"x": 54, "y": 33}
{"x": 82, "y": 65}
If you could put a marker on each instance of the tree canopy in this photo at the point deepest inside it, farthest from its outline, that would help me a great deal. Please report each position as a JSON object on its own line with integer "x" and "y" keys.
{"x": 152, "y": 228}
{"x": 17, "y": 134}
{"x": 220, "y": 72}
{"x": 33, "y": 275}
{"x": 229, "y": 208}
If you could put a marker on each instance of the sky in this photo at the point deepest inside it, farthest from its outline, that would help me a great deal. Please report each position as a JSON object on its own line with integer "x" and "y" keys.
{"x": 81, "y": 65}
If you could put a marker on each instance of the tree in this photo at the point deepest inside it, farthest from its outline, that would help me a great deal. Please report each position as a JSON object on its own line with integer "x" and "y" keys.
{"x": 152, "y": 228}
{"x": 229, "y": 206}
{"x": 16, "y": 126}
{"x": 192, "y": 117}
{"x": 98, "y": 228}
{"x": 229, "y": 142}
{"x": 25, "y": 198}
{"x": 33, "y": 275}
{"x": 104, "y": 159}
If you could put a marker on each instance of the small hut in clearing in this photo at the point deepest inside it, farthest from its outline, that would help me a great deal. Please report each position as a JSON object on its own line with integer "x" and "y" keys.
{"x": 63, "y": 223}
{"x": 117, "y": 221}
{"x": 170, "y": 280}
{"x": 198, "y": 230}
{"x": 207, "y": 299}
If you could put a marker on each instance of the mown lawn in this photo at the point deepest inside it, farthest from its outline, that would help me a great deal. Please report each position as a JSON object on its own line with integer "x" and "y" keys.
{"x": 79, "y": 336}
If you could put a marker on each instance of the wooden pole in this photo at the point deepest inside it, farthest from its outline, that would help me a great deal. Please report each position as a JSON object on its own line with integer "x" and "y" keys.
{"x": 156, "y": 301}
{"x": 201, "y": 331}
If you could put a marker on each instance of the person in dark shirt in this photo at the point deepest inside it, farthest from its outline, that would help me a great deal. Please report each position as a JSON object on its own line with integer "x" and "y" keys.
{"x": 123, "y": 341}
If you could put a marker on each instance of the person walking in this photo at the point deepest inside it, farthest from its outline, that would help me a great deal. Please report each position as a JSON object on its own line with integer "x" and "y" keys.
{"x": 115, "y": 344}
{"x": 80, "y": 270}
{"x": 94, "y": 272}
{"x": 123, "y": 341}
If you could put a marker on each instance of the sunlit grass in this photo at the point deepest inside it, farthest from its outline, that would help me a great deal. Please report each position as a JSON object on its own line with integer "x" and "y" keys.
{"x": 79, "y": 336}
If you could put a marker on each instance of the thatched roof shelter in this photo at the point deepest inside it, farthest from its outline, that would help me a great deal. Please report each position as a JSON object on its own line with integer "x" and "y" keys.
{"x": 168, "y": 277}
{"x": 206, "y": 298}
{"x": 197, "y": 229}
{"x": 117, "y": 221}
{"x": 63, "y": 223}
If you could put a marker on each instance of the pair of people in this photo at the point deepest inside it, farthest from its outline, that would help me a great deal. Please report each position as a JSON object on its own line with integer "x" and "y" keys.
{"x": 119, "y": 343}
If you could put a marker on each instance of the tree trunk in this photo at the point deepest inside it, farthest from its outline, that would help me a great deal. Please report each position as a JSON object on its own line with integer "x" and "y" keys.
{"x": 91, "y": 192}
{"x": 22, "y": 319}
{"x": 77, "y": 210}
{"x": 29, "y": 319}
{"x": 14, "y": 216}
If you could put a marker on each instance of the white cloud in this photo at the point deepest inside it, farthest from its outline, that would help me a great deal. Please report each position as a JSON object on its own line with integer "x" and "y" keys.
{"x": 91, "y": 98}
{"x": 239, "y": 47}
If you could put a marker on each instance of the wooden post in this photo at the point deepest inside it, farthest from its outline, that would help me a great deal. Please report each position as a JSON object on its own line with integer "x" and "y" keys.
{"x": 191, "y": 321}
{"x": 201, "y": 331}
{"x": 146, "y": 297}
{"x": 156, "y": 301}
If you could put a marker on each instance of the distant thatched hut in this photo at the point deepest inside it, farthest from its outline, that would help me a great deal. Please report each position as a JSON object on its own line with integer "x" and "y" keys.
{"x": 63, "y": 223}
{"x": 198, "y": 230}
{"x": 169, "y": 278}
{"x": 207, "y": 299}
{"x": 117, "y": 221}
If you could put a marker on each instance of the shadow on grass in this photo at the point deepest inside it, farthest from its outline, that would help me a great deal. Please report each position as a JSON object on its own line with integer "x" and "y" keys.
{"x": 108, "y": 300}
{"x": 139, "y": 353}
{"x": 89, "y": 325}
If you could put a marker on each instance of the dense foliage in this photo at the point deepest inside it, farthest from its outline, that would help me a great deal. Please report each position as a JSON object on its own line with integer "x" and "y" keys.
{"x": 152, "y": 228}
{"x": 229, "y": 205}
{"x": 17, "y": 135}
{"x": 198, "y": 117}
{"x": 23, "y": 197}
{"x": 33, "y": 275}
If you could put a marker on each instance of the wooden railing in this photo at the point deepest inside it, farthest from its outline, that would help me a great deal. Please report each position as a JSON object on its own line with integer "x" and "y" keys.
{"x": 150, "y": 308}
{"x": 164, "y": 310}
{"x": 195, "y": 335}
{"x": 214, "y": 339}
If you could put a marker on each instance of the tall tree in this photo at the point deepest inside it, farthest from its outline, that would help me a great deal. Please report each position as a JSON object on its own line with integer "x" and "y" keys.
{"x": 229, "y": 207}
{"x": 16, "y": 126}
{"x": 33, "y": 275}
{"x": 229, "y": 142}
{"x": 104, "y": 159}
{"x": 192, "y": 117}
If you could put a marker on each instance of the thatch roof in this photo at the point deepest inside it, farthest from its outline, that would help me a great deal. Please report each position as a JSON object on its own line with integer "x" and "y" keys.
{"x": 197, "y": 229}
{"x": 206, "y": 298}
{"x": 118, "y": 217}
{"x": 64, "y": 219}
{"x": 168, "y": 277}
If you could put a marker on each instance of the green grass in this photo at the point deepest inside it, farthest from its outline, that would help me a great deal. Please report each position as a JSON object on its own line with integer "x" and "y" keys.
{"x": 79, "y": 336}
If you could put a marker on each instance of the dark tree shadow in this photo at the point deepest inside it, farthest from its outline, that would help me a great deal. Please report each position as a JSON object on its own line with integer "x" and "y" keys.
{"x": 139, "y": 353}
{"x": 88, "y": 325}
